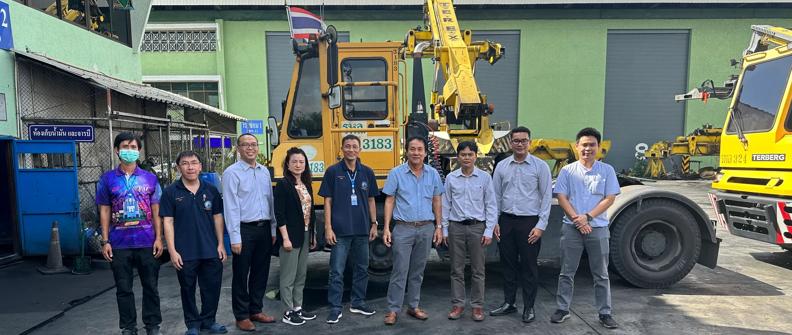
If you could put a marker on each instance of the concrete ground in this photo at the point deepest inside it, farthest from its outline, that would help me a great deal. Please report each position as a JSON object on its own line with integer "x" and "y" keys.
{"x": 748, "y": 293}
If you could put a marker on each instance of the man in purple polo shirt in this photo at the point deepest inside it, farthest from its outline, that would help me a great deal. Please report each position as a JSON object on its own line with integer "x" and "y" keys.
{"x": 128, "y": 201}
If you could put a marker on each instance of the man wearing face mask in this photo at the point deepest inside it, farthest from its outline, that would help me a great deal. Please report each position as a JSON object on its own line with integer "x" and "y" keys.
{"x": 128, "y": 200}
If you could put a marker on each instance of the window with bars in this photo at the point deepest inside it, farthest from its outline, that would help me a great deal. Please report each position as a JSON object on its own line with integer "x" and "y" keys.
{"x": 205, "y": 92}
{"x": 179, "y": 41}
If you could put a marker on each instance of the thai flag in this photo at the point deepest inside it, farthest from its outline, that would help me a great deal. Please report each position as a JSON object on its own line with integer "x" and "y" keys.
{"x": 303, "y": 23}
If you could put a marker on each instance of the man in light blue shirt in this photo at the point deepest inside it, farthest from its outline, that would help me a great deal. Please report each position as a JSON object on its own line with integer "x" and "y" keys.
{"x": 470, "y": 213}
{"x": 248, "y": 207}
{"x": 585, "y": 189}
{"x": 413, "y": 203}
{"x": 523, "y": 185}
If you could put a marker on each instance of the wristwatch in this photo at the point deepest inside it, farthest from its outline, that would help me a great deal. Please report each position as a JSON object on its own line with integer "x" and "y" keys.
{"x": 589, "y": 217}
{"x": 375, "y": 223}
{"x": 103, "y": 242}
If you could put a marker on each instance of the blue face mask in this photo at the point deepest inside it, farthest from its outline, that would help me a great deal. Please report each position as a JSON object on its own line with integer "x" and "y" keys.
{"x": 128, "y": 155}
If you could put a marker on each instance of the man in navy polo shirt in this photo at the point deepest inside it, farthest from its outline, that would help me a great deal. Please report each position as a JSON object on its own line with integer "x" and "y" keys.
{"x": 349, "y": 188}
{"x": 193, "y": 217}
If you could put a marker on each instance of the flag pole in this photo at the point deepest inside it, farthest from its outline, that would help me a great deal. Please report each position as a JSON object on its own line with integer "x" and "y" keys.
{"x": 288, "y": 17}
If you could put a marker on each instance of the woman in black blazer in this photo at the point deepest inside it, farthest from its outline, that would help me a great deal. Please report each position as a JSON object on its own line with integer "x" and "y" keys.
{"x": 294, "y": 212}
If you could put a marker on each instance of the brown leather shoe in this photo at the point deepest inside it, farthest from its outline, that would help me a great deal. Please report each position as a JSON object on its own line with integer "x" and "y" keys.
{"x": 263, "y": 318}
{"x": 246, "y": 325}
{"x": 455, "y": 313}
{"x": 417, "y": 313}
{"x": 390, "y": 318}
{"x": 478, "y": 314}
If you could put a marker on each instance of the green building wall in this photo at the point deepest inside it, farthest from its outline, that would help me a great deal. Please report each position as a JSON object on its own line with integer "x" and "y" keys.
{"x": 37, "y": 32}
{"x": 562, "y": 54}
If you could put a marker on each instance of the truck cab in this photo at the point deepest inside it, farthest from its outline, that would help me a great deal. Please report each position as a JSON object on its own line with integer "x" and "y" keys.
{"x": 753, "y": 190}
{"x": 352, "y": 89}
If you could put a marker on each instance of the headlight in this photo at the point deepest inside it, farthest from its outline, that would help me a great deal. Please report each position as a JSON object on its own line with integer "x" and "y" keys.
{"x": 718, "y": 177}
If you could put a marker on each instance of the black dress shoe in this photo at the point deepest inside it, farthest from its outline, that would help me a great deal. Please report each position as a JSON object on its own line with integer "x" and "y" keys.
{"x": 528, "y": 315}
{"x": 504, "y": 309}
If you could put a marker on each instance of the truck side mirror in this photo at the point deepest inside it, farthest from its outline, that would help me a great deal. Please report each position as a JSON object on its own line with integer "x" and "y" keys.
{"x": 272, "y": 131}
{"x": 334, "y": 97}
{"x": 332, "y": 55}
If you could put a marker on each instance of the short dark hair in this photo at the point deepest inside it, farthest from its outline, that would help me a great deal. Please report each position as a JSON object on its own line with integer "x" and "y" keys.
{"x": 520, "y": 129}
{"x": 126, "y": 136}
{"x": 417, "y": 138}
{"x": 589, "y": 131}
{"x": 467, "y": 145}
{"x": 187, "y": 154}
{"x": 246, "y": 134}
{"x": 350, "y": 137}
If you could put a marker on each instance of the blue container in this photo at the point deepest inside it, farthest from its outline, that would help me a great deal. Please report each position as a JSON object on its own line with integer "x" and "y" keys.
{"x": 214, "y": 179}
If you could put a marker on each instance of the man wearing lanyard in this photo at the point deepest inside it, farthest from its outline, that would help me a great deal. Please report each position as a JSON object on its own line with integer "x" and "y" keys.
{"x": 128, "y": 200}
{"x": 349, "y": 188}
{"x": 470, "y": 212}
{"x": 523, "y": 185}
{"x": 413, "y": 202}
{"x": 249, "y": 212}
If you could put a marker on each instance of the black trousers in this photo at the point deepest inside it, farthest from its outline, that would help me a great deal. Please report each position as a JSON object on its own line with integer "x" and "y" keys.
{"x": 208, "y": 275}
{"x": 251, "y": 271}
{"x": 518, "y": 257}
{"x": 123, "y": 264}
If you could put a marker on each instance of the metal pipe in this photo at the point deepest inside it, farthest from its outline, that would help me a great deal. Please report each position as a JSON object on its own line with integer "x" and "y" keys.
{"x": 108, "y": 97}
{"x": 207, "y": 144}
{"x": 16, "y": 100}
{"x": 64, "y": 119}
{"x": 194, "y": 124}
{"x": 140, "y": 122}
{"x": 170, "y": 177}
{"x": 138, "y": 116}
{"x": 161, "y": 150}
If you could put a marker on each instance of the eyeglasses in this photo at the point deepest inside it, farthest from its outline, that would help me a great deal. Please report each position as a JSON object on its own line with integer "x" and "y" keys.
{"x": 248, "y": 145}
{"x": 521, "y": 141}
{"x": 186, "y": 164}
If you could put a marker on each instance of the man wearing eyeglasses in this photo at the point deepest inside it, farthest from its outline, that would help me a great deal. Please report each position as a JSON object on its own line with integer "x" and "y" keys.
{"x": 523, "y": 189}
{"x": 248, "y": 208}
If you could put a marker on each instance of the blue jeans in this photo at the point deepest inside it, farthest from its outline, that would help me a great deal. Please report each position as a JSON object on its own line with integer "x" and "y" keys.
{"x": 356, "y": 247}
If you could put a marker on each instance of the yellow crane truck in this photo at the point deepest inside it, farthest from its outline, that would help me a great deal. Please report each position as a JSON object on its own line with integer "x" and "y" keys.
{"x": 361, "y": 88}
{"x": 752, "y": 192}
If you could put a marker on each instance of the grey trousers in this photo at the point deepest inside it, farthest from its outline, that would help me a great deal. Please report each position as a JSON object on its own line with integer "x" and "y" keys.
{"x": 293, "y": 268}
{"x": 411, "y": 247}
{"x": 464, "y": 240}
{"x": 598, "y": 250}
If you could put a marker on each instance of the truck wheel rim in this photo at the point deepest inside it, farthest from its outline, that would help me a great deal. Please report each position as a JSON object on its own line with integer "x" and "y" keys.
{"x": 656, "y": 245}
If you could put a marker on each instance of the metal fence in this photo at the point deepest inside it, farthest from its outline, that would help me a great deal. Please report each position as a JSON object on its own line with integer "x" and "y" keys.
{"x": 49, "y": 96}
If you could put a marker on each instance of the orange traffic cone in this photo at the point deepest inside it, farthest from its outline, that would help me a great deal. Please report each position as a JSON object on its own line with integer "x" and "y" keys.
{"x": 54, "y": 259}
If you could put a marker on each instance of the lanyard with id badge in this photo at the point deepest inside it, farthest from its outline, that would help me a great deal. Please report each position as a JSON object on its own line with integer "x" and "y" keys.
{"x": 353, "y": 199}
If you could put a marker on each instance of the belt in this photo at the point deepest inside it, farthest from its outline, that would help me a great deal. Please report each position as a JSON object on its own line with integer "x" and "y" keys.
{"x": 510, "y": 215}
{"x": 257, "y": 223}
{"x": 414, "y": 224}
{"x": 469, "y": 222}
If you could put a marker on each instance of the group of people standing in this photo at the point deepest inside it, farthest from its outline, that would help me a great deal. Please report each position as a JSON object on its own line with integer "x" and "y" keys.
{"x": 466, "y": 213}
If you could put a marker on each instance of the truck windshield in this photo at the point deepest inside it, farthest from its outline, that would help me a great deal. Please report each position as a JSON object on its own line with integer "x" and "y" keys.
{"x": 763, "y": 86}
{"x": 306, "y": 114}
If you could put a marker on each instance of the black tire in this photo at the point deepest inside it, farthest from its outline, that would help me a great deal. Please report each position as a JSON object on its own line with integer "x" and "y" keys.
{"x": 656, "y": 247}
{"x": 380, "y": 261}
